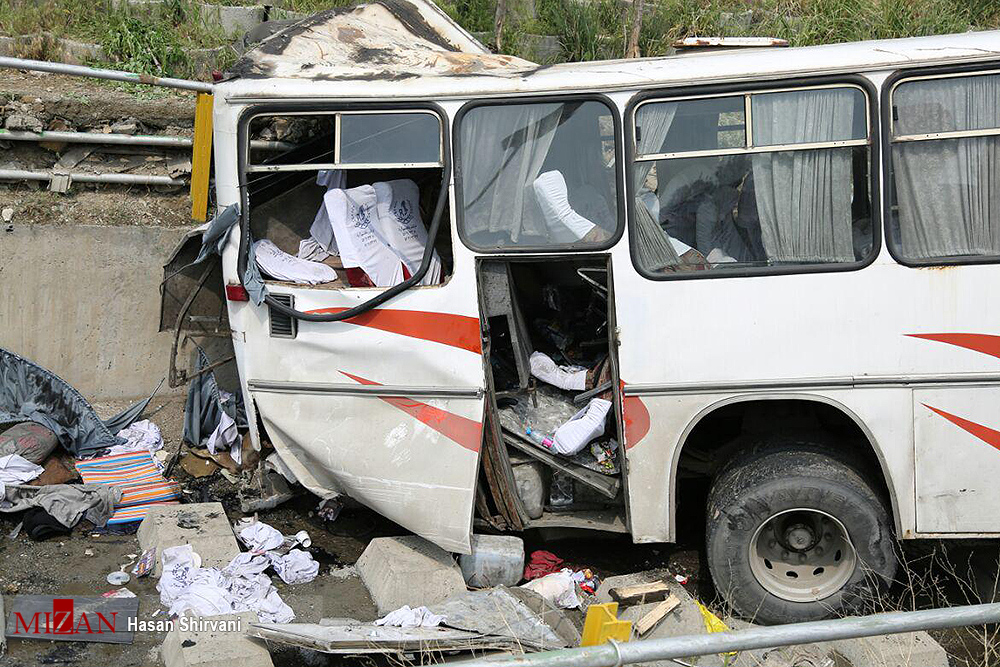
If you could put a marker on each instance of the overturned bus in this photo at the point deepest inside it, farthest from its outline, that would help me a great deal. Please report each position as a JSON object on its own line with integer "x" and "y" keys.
{"x": 476, "y": 291}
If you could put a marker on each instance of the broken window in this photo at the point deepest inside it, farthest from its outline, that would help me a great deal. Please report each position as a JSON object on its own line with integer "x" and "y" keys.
{"x": 349, "y": 202}
{"x": 538, "y": 175}
{"x": 945, "y": 161}
{"x": 770, "y": 179}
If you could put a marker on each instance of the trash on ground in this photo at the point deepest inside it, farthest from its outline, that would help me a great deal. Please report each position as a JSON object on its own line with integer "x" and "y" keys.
{"x": 405, "y": 617}
{"x": 496, "y": 560}
{"x": 146, "y": 563}
{"x": 118, "y": 578}
{"x": 31, "y": 441}
{"x": 542, "y": 563}
{"x": 559, "y": 588}
{"x": 60, "y": 504}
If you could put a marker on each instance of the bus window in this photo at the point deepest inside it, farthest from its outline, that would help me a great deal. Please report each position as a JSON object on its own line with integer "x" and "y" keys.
{"x": 347, "y": 203}
{"x": 945, "y": 166}
{"x": 538, "y": 176}
{"x": 770, "y": 179}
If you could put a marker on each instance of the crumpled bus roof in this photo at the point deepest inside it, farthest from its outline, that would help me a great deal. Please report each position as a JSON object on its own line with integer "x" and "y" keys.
{"x": 385, "y": 40}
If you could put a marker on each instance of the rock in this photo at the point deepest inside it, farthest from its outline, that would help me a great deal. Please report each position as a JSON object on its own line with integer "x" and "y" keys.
{"x": 408, "y": 570}
{"x": 126, "y": 126}
{"x": 214, "y": 641}
{"x": 202, "y": 525}
{"x": 496, "y": 560}
{"x": 21, "y": 122}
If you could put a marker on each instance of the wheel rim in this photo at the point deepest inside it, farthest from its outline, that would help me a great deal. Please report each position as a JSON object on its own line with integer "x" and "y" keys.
{"x": 802, "y": 555}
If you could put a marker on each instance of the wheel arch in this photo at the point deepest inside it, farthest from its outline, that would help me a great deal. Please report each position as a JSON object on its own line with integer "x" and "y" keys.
{"x": 874, "y": 449}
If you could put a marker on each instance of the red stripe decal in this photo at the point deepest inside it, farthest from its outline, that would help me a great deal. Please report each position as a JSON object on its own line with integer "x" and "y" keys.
{"x": 464, "y": 431}
{"x": 459, "y": 331}
{"x": 984, "y": 433}
{"x": 636, "y": 418}
{"x": 985, "y": 343}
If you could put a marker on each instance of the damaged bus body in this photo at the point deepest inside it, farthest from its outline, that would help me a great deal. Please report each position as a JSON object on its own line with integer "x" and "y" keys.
{"x": 550, "y": 296}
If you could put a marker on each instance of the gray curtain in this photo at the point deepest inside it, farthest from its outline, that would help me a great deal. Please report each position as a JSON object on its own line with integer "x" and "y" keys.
{"x": 948, "y": 191}
{"x": 653, "y": 249}
{"x": 804, "y": 197}
{"x": 503, "y": 149}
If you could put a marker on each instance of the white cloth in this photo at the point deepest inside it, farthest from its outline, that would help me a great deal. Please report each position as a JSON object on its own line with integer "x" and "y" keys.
{"x": 310, "y": 249}
{"x": 295, "y": 567}
{"x": 278, "y": 264}
{"x": 142, "y": 435}
{"x": 404, "y": 617}
{"x": 558, "y": 588}
{"x": 177, "y": 565}
{"x": 565, "y": 224}
{"x": 571, "y": 378}
{"x": 260, "y": 537}
{"x": 400, "y": 227}
{"x": 15, "y": 469}
{"x": 584, "y": 426}
{"x": 353, "y": 214}
{"x": 224, "y": 435}
{"x": 321, "y": 230}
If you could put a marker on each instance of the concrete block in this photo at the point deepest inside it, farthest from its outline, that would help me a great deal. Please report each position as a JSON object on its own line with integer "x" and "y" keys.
{"x": 914, "y": 649}
{"x": 408, "y": 570}
{"x": 202, "y": 525}
{"x": 214, "y": 641}
{"x": 496, "y": 560}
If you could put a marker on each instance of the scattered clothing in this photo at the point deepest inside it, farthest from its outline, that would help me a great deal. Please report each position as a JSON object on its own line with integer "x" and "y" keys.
{"x": 558, "y": 588}
{"x": 311, "y": 250}
{"x": 260, "y": 537}
{"x": 542, "y": 563}
{"x": 295, "y": 567}
{"x": 404, "y": 617}
{"x": 281, "y": 266}
{"x": 137, "y": 475}
{"x": 15, "y": 469}
{"x": 32, "y": 441}
{"x": 322, "y": 230}
{"x": 67, "y": 503}
{"x": 570, "y": 378}
{"x": 224, "y": 435}
{"x": 586, "y": 425}
{"x": 39, "y": 525}
{"x": 399, "y": 226}
{"x": 142, "y": 435}
{"x": 206, "y": 402}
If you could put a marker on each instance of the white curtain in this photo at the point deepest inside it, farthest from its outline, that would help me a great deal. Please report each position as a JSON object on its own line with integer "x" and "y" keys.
{"x": 503, "y": 149}
{"x": 948, "y": 191}
{"x": 804, "y": 196}
{"x": 653, "y": 248}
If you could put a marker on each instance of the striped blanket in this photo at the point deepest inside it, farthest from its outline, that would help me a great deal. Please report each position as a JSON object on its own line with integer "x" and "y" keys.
{"x": 136, "y": 474}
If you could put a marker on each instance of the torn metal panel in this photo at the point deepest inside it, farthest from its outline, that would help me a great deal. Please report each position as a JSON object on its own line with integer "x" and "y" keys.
{"x": 388, "y": 39}
{"x": 353, "y": 638}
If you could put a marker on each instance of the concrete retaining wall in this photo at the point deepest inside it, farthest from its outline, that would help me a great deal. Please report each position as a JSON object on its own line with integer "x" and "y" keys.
{"x": 83, "y": 301}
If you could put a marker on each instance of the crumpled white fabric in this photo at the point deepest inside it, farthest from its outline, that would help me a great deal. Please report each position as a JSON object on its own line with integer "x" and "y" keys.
{"x": 321, "y": 230}
{"x": 404, "y": 617}
{"x": 141, "y": 435}
{"x": 566, "y": 225}
{"x": 224, "y": 435}
{"x": 15, "y": 469}
{"x": 260, "y": 537}
{"x": 585, "y": 425}
{"x": 558, "y": 588}
{"x": 570, "y": 378}
{"x": 278, "y": 264}
{"x": 353, "y": 215}
{"x": 310, "y": 249}
{"x": 240, "y": 586}
{"x": 399, "y": 226}
{"x": 295, "y": 567}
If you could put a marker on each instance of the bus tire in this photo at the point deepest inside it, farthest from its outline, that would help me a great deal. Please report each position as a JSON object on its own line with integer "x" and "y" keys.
{"x": 795, "y": 533}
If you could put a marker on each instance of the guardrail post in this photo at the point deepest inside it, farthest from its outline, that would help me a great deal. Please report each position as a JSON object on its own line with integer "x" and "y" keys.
{"x": 602, "y": 624}
{"x": 201, "y": 156}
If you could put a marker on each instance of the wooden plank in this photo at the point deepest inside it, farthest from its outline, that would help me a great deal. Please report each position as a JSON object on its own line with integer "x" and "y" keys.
{"x": 640, "y": 593}
{"x": 201, "y": 156}
{"x": 656, "y": 614}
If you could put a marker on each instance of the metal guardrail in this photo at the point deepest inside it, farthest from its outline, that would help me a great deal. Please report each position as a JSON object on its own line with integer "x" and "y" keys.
{"x": 109, "y": 74}
{"x": 615, "y": 654}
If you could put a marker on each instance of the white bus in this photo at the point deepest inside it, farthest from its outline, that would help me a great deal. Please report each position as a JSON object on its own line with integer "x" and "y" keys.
{"x": 774, "y": 263}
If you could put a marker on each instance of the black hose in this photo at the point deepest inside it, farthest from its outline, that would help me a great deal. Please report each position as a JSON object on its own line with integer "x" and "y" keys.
{"x": 377, "y": 300}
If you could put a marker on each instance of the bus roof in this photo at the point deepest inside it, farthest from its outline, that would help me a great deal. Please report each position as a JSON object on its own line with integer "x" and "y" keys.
{"x": 409, "y": 49}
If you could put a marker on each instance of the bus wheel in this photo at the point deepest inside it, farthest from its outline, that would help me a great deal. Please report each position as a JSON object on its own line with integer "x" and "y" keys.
{"x": 794, "y": 534}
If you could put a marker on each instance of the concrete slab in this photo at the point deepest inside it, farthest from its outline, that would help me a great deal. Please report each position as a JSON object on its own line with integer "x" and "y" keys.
{"x": 202, "y": 525}
{"x": 214, "y": 641}
{"x": 408, "y": 570}
{"x": 914, "y": 649}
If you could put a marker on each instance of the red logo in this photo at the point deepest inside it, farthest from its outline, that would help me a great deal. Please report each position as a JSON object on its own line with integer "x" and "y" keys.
{"x": 63, "y": 620}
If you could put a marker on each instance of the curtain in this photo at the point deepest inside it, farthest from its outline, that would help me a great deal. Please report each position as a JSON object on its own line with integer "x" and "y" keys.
{"x": 948, "y": 191}
{"x": 503, "y": 149}
{"x": 804, "y": 197}
{"x": 653, "y": 249}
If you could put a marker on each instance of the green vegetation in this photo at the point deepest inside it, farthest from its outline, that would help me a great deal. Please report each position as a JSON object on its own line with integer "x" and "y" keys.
{"x": 158, "y": 41}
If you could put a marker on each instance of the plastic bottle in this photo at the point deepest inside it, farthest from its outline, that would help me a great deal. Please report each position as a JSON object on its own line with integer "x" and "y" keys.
{"x": 539, "y": 439}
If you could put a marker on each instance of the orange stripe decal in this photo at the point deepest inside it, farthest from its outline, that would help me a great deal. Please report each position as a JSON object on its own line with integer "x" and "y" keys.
{"x": 466, "y": 432}
{"x": 984, "y": 433}
{"x": 636, "y": 418}
{"x": 985, "y": 343}
{"x": 459, "y": 331}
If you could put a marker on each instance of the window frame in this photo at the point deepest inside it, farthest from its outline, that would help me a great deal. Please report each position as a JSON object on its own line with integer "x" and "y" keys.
{"x": 889, "y": 86}
{"x": 873, "y": 142}
{"x": 620, "y": 192}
